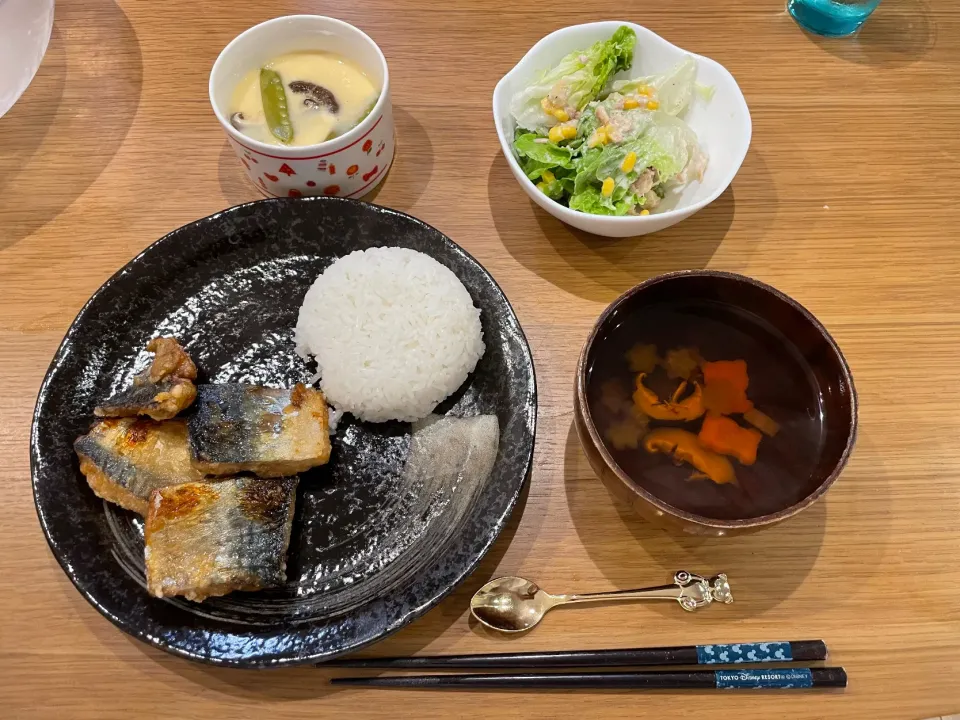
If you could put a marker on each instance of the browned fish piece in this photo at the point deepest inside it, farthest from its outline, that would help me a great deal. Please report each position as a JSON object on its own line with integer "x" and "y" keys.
{"x": 170, "y": 360}
{"x": 211, "y": 538}
{"x": 160, "y": 392}
{"x": 248, "y": 428}
{"x": 125, "y": 459}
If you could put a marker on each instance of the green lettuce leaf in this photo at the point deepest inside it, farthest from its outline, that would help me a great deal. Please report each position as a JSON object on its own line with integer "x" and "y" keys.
{"x": 673, "y": 89}
{"x": 605, "y": 161}
{"x": 536, "y": 158}
{"x": 591, "y": 200}
{"x": 587, "y": 122}
{"x": 553, "y": 190}
{"x": 667, "y": 145}
{"x": 587, "y": 167}
{"x": 534, "y": 169}
{"x": 547, "y": 153}
{"x": 706, "y": 92}
{"x": 576, "y": 80}
{"x": 552, "y": 165}
{"x": 663, "y": 142}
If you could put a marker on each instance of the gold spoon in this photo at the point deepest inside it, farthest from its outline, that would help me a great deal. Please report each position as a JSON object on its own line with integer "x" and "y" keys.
{"x": 514, "y": 604}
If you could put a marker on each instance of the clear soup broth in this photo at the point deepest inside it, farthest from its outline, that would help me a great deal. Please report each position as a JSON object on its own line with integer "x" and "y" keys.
{"x": 787, "y": 437}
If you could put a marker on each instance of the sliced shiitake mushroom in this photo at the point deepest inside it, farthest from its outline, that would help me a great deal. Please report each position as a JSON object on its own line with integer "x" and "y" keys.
{"x": 239, "y": 121}
{"x": 317, "y": 95}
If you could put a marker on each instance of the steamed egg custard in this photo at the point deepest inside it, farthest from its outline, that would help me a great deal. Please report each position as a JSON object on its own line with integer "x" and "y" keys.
{"x": 302, "y": 98}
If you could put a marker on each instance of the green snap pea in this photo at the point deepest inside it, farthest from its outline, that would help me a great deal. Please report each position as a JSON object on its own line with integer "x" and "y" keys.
{"x": 274, "y": 98}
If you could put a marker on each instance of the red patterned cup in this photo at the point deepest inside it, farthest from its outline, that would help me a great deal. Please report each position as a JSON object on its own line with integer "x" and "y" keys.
{"x": 350, "y": 165}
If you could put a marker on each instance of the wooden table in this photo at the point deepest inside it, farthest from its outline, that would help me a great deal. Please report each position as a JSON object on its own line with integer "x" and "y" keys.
{"x": 847, "y": 201}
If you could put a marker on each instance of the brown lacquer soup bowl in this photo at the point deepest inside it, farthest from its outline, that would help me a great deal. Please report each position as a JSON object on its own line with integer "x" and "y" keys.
{"x": 713, "y": 404}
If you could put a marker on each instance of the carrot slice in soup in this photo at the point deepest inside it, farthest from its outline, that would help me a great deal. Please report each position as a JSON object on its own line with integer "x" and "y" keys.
{"x": 723, "y": 435}
{"x": 725, "y": 387}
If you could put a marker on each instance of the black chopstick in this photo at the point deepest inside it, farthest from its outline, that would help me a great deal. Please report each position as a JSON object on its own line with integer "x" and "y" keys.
{"x": 728, "y": 654}
{"x": 752, "y": 678}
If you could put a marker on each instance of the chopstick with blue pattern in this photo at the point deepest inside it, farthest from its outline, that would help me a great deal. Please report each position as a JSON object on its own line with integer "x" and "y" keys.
{"x": 717, "y": 654}
{"x": 742, "y": 679}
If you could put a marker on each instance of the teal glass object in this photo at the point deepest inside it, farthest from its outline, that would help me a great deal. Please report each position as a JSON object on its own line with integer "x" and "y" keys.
{"x": 832, "y": 18}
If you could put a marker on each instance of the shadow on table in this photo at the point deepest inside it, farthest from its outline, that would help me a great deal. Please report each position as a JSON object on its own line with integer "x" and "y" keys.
{"x": 592, "y": 267}
{"x": 235, "y": 186}
{"x": 412, "y": 167}
{"x": 298, "y": 683}
{"x": 899, "y": 32}
{"x": 765, "y": 568}
{"x": 64, "y": 130}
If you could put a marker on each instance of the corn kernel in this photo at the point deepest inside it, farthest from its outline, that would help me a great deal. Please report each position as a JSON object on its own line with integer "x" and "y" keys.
{"x": 561, "y": 115}
{"x": 628, "y": 162}
{"x": 555, "y": 134}
{"x": 652, "y": 104}
{"x": 569, "y": 132}
{"x": 630, "y": 103}
{"x": 547, "y": 106}
{"x": 607, "y": 130}
{"x": 548, "y": 177}
{"x": 607, "y": 189}
{"x": 645, "y": 91}
{"x": 599, "y": 137}
{"x": 644, "y": 212}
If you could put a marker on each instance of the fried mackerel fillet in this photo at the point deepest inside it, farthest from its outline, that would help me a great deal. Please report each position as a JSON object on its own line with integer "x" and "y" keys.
{"x": 210, "y": 538}
{"x": 248, "y": 428}
{"x": 125, "y": 459}
{"x": 160, "y": 392}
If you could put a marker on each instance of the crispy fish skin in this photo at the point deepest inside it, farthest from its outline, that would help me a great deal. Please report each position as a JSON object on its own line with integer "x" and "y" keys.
{"x": 162, "y": 391}
{"x": 159, "y": 401}
{"x": 266, "y": 431}
{"x": 170, "y": 360}
{"x": 125, "y": 459}
{"x": 205, "y": 539}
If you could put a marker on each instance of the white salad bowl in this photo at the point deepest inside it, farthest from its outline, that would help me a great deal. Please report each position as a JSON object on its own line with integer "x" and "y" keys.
{"x": 722, "y": 125}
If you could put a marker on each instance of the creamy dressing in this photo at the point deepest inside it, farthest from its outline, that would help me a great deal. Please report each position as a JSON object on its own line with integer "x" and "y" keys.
{"x": 330, "y": 95}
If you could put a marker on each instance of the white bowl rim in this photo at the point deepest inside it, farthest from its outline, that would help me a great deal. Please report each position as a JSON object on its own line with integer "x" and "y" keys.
{"x": 563, "y": 211}
{"x": 353, "y": 134}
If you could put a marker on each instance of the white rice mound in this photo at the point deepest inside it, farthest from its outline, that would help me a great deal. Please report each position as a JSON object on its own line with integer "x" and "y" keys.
{"x": 393, "y": 332}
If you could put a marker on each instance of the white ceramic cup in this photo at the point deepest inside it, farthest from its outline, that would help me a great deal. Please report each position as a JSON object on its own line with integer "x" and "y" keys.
{"x": 25, "y": 28}
{"x": 350, "y": 165}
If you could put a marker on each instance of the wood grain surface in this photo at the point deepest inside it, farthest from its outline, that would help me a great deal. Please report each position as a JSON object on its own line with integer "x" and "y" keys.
{"x": 847, "y": 201}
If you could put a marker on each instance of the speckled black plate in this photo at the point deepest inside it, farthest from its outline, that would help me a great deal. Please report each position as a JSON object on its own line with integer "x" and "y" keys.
{"x": 365, "y": 557}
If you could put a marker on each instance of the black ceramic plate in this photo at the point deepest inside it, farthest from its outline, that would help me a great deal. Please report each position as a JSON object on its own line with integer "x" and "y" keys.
{"x": 365, "y": 558}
